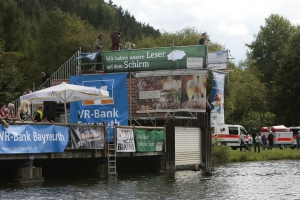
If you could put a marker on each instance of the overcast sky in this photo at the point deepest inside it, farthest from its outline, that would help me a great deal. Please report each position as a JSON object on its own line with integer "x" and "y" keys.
{"x": 231, "y": 23}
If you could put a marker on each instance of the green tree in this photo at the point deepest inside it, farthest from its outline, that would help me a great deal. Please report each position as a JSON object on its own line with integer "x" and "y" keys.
{"x": 245, "y": 98}
{"x": 266, "y": 49}
{"x": 286, "y": 88}
{"x": 16, "y": 32}
{"x": 62, "y": 35}
{"x": 13, "y": 77}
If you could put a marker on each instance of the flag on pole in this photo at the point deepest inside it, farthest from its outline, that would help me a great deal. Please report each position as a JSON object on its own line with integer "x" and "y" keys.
{"x": 89, "y": 56}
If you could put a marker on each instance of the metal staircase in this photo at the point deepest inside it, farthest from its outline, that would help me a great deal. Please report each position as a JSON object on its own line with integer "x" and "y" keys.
{"x": 111, "y": 156}
{"x": 71, "y": 67}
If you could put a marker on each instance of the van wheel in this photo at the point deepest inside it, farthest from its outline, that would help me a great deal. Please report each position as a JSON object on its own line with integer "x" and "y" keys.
{"x": 234, "y": 148}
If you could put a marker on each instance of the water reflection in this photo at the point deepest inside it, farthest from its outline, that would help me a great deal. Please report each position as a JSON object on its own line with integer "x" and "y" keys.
{"x": 252, "y": 180}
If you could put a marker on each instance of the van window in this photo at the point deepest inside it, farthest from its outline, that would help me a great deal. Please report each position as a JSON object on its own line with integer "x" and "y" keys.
{"x": 233, "y": 130}
{"x": 243, "y": 130}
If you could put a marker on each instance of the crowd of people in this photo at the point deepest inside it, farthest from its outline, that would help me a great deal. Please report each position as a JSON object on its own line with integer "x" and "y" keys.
{"x": 246, "y": 142}
{"x": 116, "y": 45}
{"x": 7, "y": 115}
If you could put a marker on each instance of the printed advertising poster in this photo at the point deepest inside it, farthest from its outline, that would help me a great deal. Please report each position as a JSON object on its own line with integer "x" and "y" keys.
{"x": 87, "y": 137}
{"x": 147, "y": 141}
{"x": 125, "y": 140}
{"x": 165, "y": 91}
{"x": 183, "y": 57}
{"x": 112, "y": 110}
{"x": 33, "y": 139}
{"x": 217, "y": 60}
{"x": 217, "y": 100}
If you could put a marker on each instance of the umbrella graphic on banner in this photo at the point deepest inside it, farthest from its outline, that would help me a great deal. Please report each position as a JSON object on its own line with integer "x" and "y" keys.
{"x": 176, "y": 55}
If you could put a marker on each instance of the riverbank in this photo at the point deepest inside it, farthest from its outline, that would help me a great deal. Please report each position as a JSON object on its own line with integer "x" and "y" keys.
{"x": 276, "y": 154}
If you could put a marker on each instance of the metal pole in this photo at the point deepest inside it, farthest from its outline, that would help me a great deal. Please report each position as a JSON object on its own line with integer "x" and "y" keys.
{"x": 130, "y": 106}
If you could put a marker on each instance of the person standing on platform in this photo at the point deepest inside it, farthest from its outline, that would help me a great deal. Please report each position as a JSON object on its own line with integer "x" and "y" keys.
{"x": 203, "y": 40}
{"x": 127, "y": 46}
{"x": 27, "y": 91}
{"x": 98, "y": 47}
{"x": 116, "y": 40}
{"x": 45, "y": 79}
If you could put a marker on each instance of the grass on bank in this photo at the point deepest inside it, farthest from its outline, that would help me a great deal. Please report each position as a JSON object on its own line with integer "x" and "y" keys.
{"x": 224, "y": 154}
{"x": 276, "y": 154}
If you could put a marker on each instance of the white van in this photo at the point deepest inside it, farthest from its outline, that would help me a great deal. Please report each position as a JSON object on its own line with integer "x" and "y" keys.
{"x": 229, "y": 134}
{"x": 283, "y": 136}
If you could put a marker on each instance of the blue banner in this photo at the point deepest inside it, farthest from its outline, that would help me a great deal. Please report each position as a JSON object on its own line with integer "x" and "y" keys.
{"x": 112, "y": 110}
{"x": 33, "y": 138}
{"x": 217, "y": 100}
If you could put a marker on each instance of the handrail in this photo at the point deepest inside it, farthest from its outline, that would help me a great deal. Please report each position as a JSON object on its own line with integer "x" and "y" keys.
{"x": 70, "y": 68}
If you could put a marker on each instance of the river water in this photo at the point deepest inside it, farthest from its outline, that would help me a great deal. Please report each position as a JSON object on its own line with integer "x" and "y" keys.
{"x": 250, "y": 180}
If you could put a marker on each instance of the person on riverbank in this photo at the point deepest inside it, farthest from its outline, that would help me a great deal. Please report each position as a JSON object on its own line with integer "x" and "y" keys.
{"x": 241, "y": 140}
{"x": 271, "y": 138}
{"x": 250, "y": 141}
{"x": 245, "y": 143}
{"x": 298, "y": 139}
{"x": 257, "y": 142}
{"x": 264, "y": 142}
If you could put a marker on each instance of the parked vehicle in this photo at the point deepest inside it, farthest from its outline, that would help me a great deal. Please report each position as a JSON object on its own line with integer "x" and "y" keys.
{"x": 229, "y": 135}
{"x": 283, "y": 136}
{"x": 295, "y": 132}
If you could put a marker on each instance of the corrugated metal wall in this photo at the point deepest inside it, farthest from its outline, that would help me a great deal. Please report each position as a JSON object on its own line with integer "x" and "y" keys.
{"x": 187, "y": 146}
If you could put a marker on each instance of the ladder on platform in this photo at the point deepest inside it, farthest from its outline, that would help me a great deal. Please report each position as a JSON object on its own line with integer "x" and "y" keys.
{"x": 112, "y": 162}
{"x": 111, "y": 157}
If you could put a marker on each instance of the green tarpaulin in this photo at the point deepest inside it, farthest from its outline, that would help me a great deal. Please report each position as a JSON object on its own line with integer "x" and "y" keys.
{"x": 185, "y": 57}
{"x": 147, "y": 141}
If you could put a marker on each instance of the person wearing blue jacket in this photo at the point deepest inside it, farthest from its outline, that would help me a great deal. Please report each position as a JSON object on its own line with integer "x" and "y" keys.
{"x": 264, "y": 142}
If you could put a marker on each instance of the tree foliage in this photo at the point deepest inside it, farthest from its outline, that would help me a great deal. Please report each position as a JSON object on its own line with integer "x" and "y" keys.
{"x": 274, "y": 56}
{"x": 266, "y": 49}
{"x": 286, "y": 87}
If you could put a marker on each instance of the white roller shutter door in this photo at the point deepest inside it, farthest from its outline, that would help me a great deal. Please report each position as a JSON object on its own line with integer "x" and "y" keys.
{"x": 187, "y": 146}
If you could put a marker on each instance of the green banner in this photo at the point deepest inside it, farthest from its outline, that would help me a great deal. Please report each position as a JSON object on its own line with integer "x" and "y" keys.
{"x": 185, "y": 57}
{"x": 147, "y": 141}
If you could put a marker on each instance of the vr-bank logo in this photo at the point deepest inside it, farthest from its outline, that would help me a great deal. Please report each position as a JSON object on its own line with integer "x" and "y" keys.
{"x": 98, "y": 84}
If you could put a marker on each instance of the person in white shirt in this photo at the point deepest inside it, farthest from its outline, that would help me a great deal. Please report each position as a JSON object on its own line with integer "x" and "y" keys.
{"x": 245, "y": 143}
{"x": 241, "y": 140}
{"x": 257, "y": 142}
{"x": 250, "y": 142}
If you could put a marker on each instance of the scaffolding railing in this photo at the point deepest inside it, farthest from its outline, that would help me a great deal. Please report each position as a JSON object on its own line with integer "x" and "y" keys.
{"x": 71, "y": 67}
